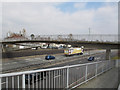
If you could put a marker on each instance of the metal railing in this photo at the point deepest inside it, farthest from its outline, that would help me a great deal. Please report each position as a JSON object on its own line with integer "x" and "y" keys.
{"x": 60, "y": 77}
{"x": 82, "y": 37}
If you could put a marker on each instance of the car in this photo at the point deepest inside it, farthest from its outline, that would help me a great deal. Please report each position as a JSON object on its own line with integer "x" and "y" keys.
{"x": 48, "y": 57}
{"x": 91, "y": 59}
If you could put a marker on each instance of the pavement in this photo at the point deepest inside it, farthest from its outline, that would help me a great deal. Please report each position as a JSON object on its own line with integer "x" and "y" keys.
{"x": 106, "y": 80}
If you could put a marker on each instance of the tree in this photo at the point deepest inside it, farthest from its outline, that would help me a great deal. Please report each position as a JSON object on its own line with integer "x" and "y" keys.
{"x": 59, "y": 37}
{"x": 32, "y": 36}
{"x": 70, "y": 36}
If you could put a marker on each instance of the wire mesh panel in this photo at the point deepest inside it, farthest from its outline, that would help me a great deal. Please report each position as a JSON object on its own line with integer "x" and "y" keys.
{"x": 76, "y": 75}
{"x": 100, "y": 67}
{"x": 91, "y": 70}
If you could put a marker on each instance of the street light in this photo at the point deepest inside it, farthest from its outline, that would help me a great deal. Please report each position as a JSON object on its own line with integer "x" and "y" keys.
{"x": 89, "y": 38}
{"x": 89, "y": 31}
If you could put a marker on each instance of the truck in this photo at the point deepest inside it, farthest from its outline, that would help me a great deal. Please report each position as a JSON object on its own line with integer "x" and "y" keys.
{"x": 73, "y": 51}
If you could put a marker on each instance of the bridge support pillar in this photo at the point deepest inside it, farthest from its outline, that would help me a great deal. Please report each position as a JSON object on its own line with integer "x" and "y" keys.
{"x": 108, "y": 54}
{"x": 3, "y": 47}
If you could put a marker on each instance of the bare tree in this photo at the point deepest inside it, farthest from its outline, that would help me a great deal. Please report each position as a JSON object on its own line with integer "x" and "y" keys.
{"x": 32, "y": 36}
{"x": 70, "y": 37}
{"x": 59, "y": 37}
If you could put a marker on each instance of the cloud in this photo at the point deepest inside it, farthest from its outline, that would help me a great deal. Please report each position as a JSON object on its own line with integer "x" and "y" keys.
{"x": 80, "y": 5}
{"x": 46, "y": 18}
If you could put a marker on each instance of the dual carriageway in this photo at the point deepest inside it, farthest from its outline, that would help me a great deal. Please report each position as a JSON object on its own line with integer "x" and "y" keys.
{"x": 38, "y": 61}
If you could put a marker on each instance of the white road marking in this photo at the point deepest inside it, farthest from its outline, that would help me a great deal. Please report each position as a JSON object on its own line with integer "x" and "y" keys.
{"x": 9, "y": 63}
{"x": 28, "y": 59}
{"x": 6, "y": 63}
{"x": 97, "y": 58}
{"x": 3, "y": 83}
{"x": 37, "y": 58}
{"x": 57, "y": 76}
{"x": 14, "y": 62}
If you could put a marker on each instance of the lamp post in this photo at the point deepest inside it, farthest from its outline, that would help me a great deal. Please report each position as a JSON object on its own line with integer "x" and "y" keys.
{"x": 89, "y": 38}
{"x": 89, "y": 31}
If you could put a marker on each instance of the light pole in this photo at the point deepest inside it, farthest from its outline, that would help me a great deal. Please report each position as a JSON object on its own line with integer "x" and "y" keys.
{"x": 89, "y": 38}
{"x": 89, "y": 31}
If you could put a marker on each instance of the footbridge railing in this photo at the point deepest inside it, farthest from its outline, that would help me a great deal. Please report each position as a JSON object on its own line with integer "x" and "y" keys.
{"x": 60, "y": 77}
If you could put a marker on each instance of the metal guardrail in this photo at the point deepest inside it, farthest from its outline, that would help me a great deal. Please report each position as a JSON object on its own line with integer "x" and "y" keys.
{"x": 82, "y": 37}
{"x": 60, "y": 77}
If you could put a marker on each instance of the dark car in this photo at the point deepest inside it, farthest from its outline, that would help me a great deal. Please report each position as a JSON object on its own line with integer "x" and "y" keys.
{"x": 91, "y": 58}
{"x": 48, "y": 57}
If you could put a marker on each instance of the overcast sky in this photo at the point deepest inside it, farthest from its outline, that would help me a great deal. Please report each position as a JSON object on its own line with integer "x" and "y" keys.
{"x": 60, "y": 18}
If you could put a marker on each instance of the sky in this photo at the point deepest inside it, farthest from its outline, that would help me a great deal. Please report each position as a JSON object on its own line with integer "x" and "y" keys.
{"x": 50, "y": 18}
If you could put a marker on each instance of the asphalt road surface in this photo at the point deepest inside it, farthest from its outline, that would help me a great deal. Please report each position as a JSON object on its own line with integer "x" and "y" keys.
{"x": 40, "y": 62}
{"x": 23, "y": 53}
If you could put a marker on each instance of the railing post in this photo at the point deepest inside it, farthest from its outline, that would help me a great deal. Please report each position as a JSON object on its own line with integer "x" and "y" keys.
{"x": 86, "y": 72}
{"x": 103, "y": 67}
{"x": 23, "y": 81}
{"x": 0, "y": 85}
{"x": 67, "y": 77}
{"x": 96, "y": 69}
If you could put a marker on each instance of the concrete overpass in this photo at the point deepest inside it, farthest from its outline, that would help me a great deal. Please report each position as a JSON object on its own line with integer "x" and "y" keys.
{"x": 87, "y": 44}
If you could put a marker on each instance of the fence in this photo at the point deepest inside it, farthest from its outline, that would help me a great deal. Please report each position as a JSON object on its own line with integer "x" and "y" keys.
{"x": 60, "y": 77}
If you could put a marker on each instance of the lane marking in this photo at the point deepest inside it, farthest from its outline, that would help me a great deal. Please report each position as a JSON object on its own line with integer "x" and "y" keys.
{"x": 3, "y": 83}
{"x": 37, "y": 58}
{"x": 14, "y": 62}
{"x": 57, "y": 76}
{"x": 6, "y": 63}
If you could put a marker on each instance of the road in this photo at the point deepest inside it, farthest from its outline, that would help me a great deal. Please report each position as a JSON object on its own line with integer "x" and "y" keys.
{"x": 29, "y": 52}
{"x": 58, "y": 78}
{"x": 39, "y": 61}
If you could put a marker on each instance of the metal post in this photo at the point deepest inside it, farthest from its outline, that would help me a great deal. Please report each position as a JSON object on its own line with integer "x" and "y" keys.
{"x": 86, "y": 73}
{"x": 108, "y": 53}
{"x": 0, "y": 84}
{"x": 7, "y": 82}
{"x": 96, "y": 69}
{"x": 18, "y": 81}
{"x": 116, "y": 63}
{"x": 67, "y": 77}
{"x": 89, "y": 34}
{"x": 23, "y": 81}
{"x": 103, "y": 67}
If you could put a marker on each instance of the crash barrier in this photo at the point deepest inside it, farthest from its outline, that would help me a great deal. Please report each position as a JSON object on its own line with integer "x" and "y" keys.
{"x": 60, "y": 77}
